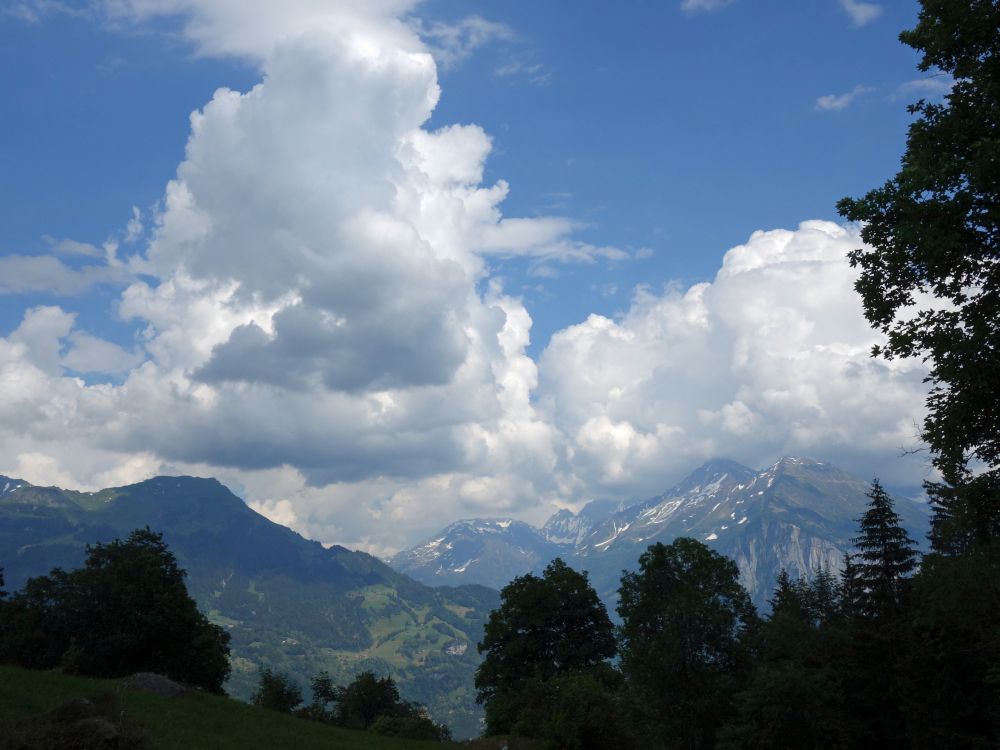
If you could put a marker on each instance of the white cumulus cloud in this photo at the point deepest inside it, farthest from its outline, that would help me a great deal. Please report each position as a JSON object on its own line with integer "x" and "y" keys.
{"x": 770, "y": 358}
{"x": 320, "y": 329}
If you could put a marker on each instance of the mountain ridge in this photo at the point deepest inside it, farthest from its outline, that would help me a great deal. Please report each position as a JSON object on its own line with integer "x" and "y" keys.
{"x": 798, "y": 514}
{"x": 288, "y": 602}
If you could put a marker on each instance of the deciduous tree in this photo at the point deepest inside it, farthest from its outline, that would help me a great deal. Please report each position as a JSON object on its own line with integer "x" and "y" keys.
{"x": 683, "y": 640}
{"x": 545, "y": 627}
{"x": 930, "y": 274}
{"x": 126, "y": 610}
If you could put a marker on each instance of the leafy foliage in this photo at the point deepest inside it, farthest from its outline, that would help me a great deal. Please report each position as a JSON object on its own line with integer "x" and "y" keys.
{"x": 577, "y": 711}
{"x": 126, "y": 610}
{"x": 368, "y": 702}
{"x": 934, "y": 232}
{"x": 368, "y": 698}
{"x": 276, "y": 692}
{"x": 952, "y": 672}
{"x": 685, "y": 626}
{"x": 544, "y": 628}
{"x": 795, "y": 696}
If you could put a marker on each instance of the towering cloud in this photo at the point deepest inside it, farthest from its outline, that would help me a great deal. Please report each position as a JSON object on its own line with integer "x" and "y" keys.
{"x": 320, "y": 328}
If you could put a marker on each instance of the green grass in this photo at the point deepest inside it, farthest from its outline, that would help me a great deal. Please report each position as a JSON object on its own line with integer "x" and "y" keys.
{"x": 189, "y": 722}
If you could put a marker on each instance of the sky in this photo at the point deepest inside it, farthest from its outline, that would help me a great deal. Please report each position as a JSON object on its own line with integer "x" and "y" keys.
{"x": 381, "y": 265}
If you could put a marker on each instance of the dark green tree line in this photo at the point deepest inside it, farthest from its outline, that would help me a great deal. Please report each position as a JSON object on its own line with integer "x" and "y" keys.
{"x": 933, "y": 233}
{"x": 126, "y": 610}
{"x": 367, "y": 703}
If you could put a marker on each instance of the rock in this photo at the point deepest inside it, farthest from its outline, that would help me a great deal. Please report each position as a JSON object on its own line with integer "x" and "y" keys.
{"x": 157, "y": 684}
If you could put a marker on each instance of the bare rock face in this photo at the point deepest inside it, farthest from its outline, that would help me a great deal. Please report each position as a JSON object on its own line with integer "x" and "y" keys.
{"x": 148, "y": 682}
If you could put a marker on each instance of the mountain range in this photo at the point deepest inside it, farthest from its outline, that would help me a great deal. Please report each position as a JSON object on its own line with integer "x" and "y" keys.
{"x": 299, "y": 607}
{"x": 798, "y": 514}
{"x": 288, "y": 603}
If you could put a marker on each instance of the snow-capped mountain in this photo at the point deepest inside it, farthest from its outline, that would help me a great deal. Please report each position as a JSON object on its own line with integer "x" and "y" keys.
{"x": 490, "y": 551}
{"x": 706, "y": 493}
{"x": 566, "y": 528}
{"x": 798, "y": 514}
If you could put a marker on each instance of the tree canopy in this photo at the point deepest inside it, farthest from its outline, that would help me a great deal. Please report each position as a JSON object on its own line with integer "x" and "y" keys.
{"x": 126, "y": 610}
{"x": 930, "y": 276}
{"x": 685, "y": 617}
{"x": 886, "y": 554}
{"x": 545, "y": 628}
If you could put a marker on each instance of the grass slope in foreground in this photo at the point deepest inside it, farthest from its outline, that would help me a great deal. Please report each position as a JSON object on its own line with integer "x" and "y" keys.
{"x": 191, "y": 721}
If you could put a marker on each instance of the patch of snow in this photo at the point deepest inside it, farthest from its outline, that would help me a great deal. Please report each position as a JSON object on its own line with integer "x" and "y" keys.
{"x": 504, "y": 524}
{"x": 711, "y": 537}
{"x": 660, "y": 513}
{"x": 743, "y": 520}
{"x": 614, "y": 535}
{"x": 462, "y": 568}
{"x": 715, "y": 506}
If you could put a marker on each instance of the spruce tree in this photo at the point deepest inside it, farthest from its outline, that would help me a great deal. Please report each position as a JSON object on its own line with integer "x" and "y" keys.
{"x": 887, "y": 557}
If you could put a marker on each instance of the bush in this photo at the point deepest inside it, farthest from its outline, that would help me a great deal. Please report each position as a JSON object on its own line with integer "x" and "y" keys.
{"x": 411, "y": 728}
{"x": 94, "y": 723}
{"x": 276, "y": 692}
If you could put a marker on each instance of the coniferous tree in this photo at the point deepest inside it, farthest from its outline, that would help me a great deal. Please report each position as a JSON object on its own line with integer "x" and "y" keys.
{"x": 850, "y": 588}
{"x": 795, "y": 695}
{"x": 887, "y": 557}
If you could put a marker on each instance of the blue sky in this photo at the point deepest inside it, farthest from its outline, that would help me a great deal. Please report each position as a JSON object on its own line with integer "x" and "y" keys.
{"x": 640, "y": 144}
{"x": 652, "y": 127}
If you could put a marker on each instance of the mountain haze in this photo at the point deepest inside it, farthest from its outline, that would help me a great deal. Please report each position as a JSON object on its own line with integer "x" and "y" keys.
{"x": 489, "y": 551}
{"x": 287, "y": 602}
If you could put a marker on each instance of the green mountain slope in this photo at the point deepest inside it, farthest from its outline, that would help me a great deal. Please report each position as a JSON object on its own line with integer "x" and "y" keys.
{"x": 288, "y": 603}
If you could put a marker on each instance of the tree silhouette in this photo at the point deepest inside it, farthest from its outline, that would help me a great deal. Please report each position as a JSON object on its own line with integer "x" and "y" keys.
{"x": 683, "y": 652}
{"x": 544, "y": 628}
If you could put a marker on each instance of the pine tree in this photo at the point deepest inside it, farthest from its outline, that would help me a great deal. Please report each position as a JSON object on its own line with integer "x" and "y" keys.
{"x": 887, "y": 557}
